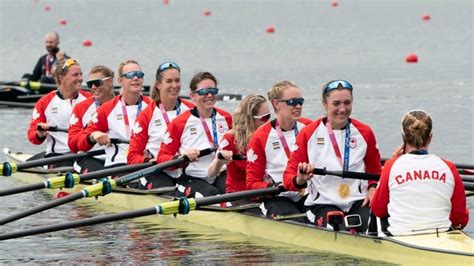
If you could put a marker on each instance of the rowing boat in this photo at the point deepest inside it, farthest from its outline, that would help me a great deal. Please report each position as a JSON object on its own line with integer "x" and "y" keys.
{"x": 454, "y": 247}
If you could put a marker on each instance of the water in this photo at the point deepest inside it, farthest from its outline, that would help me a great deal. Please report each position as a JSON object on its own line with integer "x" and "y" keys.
{"x": 364, "y": 42}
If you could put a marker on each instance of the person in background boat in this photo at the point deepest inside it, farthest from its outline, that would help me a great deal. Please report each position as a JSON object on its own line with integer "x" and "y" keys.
{"x": 101, "y": 84}
{"x": 196, "y": 129}
{"x": 251, "y": 113}
{"x": 150, "y": 126}
{"x": 419, "y": 192}
{"x": 270, "y": 146}
{"x": 43, "y": 68}
{"x": 336, "y": 142}
{"x": 54, "y": 109}
{"x": 115, "y": 118}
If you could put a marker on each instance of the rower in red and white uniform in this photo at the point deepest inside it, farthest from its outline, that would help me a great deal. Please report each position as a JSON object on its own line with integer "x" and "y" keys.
{"x": 270, "y": 146}
{"x": 150, "y": 127}
{"x": 336, "y": 142}
{"x": 196, "y": 129}
{"x": 115, "y": 118}
{"x": 251, "y": 113}
{"x": 419, "y": 192}
{"x": 54, "y": 109}
{"x": 101, "y": 83}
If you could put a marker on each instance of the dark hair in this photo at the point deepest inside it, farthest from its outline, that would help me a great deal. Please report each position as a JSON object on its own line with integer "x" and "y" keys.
{"x": 200, "y": 77}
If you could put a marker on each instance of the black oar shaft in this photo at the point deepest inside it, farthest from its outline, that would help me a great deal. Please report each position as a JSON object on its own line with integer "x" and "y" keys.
{"x": 237, "y": 196}
{"x": 46, "y": 206}
{"x": 80, "y": 223}
{"x": 21, "y": 189}
{"x": 57, "y": 159}
{"x": 347, "y": 174}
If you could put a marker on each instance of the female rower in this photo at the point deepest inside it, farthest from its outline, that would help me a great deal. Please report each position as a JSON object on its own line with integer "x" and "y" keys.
{"x": 419, "y": 192}
{"x": 101, "y": 84}
{"x": 270, "y": 146}
{"x": 336, "y": 142}
{"x": 199, "y": 128}
{"x": 150, "y": 127}
{"x": 251, "y": 113}
{"x": 54, "y": 109}
{"x": 114, "y": 118}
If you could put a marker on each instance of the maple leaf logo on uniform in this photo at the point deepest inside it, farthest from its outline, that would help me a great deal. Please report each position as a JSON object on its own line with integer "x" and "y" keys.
{"x": 294, "y": 147}
{"x": 94, "y": 118}
{"x": 73, "y": 120}
{"x": 251, "y": 156}
{"x": 35, "y": 114}
{"x": 167, "y": 139}
{"x": 136, "y": 128}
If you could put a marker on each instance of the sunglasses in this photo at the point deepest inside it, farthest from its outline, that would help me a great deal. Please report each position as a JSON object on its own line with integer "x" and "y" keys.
{"x": 132, "y": 74}
{"x": 264, "y": 117}
{"x": 336, "y": 83}
{"x": 166, "y": 66}
{"x": 69, "y": 62}
{"x": 96, "y": 82}
{"x": 204, "y": 92}
{"x": 293, "y": 101}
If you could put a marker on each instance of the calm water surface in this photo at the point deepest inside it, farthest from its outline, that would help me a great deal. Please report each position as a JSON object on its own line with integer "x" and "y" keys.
{"x": 364, "y": 42}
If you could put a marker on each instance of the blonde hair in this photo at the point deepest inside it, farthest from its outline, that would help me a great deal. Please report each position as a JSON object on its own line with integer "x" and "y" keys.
{"x": 243, "y": 124}
{"x": 416, "y": 128}
{"x": 60, "y": 68}
{"x": 126, "y": 62}
{"x": 276, "y": 92}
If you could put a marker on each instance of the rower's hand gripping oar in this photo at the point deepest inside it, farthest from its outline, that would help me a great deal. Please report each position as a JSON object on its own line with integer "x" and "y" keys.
{"x": 69, "y": 180}
{"x": 52, "y": 129}
{"x": 102, "y": 188}
{"x": 8, "y": 168}
{"x": 180, "y": 206}
{"x": 468, "y": 182}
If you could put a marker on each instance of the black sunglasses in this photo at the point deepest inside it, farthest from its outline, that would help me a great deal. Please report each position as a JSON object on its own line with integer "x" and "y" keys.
{"x": 293, "y": 101}
{"x": 96, "y": 82}
{"x": 205, "y": 91}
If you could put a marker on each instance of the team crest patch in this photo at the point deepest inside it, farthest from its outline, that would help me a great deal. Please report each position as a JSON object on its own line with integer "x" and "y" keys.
{"x": 276, "y": 145}
{"x": 193, "y": 131}
{"x": 119, "y": 116}
{"x": 320, "y": 141}
{"x": 221, "y": 128}
{"x": 158, "y": 122}
{"x": 353, "y": 143}
{"x": 55, "y": 109}
{"x": 224, "y": 143}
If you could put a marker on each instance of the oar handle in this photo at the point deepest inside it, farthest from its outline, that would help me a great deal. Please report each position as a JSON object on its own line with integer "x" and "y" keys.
{"x": 52, "y": 129}
{"x": 235, "y": 157}
{"x": 347, "y": 174}
{"x": 57, "y": 159}
{"x": 119, "y": 141}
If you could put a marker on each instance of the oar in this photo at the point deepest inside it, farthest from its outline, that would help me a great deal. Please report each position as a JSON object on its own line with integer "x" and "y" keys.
{"x": 468, "y": 185}
{"x": 103, "y": 187}
{"x": 52, "y": 129}
{"x": 7, "y": 168}
{"x": 181, "y": 206}
{"x": 31, "y": 85}
{"x": 459, "y": 166}
{"x": 69, "y": 180}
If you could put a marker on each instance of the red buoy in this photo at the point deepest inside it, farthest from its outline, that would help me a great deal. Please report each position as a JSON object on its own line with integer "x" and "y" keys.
{"x": 334, "y": 3}
{"x": 61, "y": 194}
{"x": 411, "y": 58}
{"x": 166, "y": 2}
{"x": 426, "y": 17}
{"x": 47, "y": 8}
{"x": 87, "y": 43}
{"x": 63, "y": 22}
{"x": 207, "y": 12}
{"x": 270, "y": 29}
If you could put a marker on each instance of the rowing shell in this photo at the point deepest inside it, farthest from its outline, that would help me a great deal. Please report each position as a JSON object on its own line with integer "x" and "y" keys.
{"x": 454, "y": 247}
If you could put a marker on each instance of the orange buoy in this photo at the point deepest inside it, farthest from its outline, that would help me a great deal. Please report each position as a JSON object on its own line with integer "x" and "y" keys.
{"x": 334, "y": 3}
{"x": 87, "y": 43}
{"x": 63, "y": 22}
{"x": 270, "y": 29}
{"x": 47, "y": 8}
{"x": 426, "y": 17}
{"x": 207, "y": 12}
{"x": 411, "y": 58}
